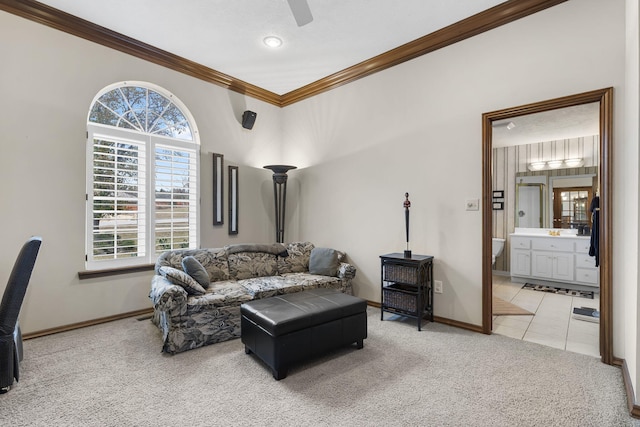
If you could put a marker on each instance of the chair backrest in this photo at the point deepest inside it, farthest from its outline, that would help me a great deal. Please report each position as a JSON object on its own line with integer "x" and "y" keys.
{"x": 17, "y": 285}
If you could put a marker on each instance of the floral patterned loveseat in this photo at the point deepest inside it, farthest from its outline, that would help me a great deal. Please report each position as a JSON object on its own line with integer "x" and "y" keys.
{"x": 190, "y": 316}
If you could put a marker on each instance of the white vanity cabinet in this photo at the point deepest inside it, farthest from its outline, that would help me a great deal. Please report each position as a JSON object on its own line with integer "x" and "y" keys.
{"x": 555, "y": 259}
{"x": 586, "y": 270}
{"x": 552, "y": 259}
{"x": 520, "y": 256}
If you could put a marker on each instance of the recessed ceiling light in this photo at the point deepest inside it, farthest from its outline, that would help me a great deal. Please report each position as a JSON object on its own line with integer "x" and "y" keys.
{"x": 508, "y": 125}
{"x": 272, "y": 41}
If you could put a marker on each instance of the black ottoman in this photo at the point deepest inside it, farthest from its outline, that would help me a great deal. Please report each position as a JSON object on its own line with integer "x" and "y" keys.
{"x": 290, "y": 328}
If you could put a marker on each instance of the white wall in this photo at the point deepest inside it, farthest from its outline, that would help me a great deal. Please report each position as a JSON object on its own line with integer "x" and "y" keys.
{"x": 417, "y": 128}
{"x": 628, "y": 207}
{"x": 48, "y": 81}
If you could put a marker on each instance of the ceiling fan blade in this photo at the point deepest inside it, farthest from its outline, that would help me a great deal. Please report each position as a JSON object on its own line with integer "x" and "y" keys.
{"x": 301, "y": 11}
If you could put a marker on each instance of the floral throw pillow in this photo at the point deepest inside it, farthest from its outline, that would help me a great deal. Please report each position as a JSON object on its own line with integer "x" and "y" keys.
{"x": 298, "y": 259}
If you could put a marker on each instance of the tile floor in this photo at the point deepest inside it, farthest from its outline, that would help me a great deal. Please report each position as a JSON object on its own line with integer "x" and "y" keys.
{"x": 552, "y": 325}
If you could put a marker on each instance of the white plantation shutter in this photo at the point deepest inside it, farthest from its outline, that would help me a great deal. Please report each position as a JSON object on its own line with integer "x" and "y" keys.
{"x": 175, "y": 191}
{"x": 118, "y": 199}
{"x": 142, "y": 176}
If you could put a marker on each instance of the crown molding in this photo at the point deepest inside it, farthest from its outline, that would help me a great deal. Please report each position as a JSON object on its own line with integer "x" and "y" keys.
{"x": 489, "y": 19}
{"x": 70, "y": 24}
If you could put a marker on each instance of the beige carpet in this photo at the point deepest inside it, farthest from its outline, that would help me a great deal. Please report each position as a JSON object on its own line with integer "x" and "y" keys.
{"x": 502, "y": 307}
{"x": 113, "y": 375}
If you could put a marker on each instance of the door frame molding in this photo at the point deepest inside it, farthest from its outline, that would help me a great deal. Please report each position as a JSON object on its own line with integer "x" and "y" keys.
{"x": 605, "y": 98}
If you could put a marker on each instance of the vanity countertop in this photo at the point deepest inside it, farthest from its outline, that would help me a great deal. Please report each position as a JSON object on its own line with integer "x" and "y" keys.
{"x": 543, "y": 232}
{"x": 562, "y": 236}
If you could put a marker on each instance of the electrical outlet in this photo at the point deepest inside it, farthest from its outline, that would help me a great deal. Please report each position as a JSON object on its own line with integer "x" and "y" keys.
{"x": 437, "y": 286}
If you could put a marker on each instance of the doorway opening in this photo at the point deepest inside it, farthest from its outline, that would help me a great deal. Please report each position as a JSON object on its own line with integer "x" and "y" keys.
{"x": 604, "y": 98}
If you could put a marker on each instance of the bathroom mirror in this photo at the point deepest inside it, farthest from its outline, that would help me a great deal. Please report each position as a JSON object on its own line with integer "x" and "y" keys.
{"x": 547, "y": 199}
{"x": 533, "y": 155}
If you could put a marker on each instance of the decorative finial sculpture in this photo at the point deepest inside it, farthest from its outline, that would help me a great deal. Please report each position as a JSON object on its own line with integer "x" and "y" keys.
{"x": 407, "y": 205}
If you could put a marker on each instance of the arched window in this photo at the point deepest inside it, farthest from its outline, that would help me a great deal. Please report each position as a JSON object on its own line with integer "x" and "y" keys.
{"x": 142, "y": 176}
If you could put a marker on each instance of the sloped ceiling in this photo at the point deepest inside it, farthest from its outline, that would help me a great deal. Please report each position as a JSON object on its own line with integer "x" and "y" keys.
{"x": 221, "y": 41}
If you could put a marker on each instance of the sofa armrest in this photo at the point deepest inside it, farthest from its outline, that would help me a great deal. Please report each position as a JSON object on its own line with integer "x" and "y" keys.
{"x": 168, "y": 297}
{"x": 346, "y": 271}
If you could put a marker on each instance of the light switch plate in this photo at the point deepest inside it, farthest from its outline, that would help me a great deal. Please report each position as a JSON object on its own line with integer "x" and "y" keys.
{"x": 472, "y": 204}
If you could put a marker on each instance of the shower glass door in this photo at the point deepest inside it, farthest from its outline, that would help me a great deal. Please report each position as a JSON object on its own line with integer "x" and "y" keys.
{"x": 529, "y": 205}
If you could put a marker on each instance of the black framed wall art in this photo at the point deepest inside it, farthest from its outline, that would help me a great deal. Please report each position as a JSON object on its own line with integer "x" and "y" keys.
{"x": 218, "y": 189}
{"x": 233, "y": 200}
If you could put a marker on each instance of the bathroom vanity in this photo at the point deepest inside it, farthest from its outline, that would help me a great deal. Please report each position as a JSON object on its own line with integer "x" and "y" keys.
{"x": 537, "y": 257}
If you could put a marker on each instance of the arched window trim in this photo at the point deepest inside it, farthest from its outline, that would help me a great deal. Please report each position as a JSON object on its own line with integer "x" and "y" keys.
{"x": 160, "y": 161}
{"x": 133, "y": 84}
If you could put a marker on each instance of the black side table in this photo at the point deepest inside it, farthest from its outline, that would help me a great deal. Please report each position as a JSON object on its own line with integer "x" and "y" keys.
{"x": 406, "y": 286}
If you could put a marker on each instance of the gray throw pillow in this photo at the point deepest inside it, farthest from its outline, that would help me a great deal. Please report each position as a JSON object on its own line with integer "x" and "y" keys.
{"x": 193, "y": 268}
{"x": 181, "y": 278}
{"x": 324, "y": 261}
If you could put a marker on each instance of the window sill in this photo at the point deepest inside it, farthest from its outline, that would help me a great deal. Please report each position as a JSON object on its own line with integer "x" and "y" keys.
{"x": 90, "y": 274}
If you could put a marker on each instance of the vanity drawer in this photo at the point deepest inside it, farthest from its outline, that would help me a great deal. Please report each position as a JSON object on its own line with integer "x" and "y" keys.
{"x": 520, "y": 243}
{"x": 585, "y": 261}
{"x": 587, "y": 275}
{"x": 582, "y": 246}
{"x": 552, "y": 244}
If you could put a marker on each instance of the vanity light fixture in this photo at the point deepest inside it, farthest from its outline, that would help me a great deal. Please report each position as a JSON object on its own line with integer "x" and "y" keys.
{"x": 554, "y": 164}
{"x": 574, "y": 163}
{"x": 510, "y": 125}
{"x": 536, "y": 166}
{"x": 272, "y": 41}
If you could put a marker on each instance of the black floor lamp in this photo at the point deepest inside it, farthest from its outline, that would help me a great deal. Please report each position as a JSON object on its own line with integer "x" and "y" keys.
{"x": 280, "y": 196}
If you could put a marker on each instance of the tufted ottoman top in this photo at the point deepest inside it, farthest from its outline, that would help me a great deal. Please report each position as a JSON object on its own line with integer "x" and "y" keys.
{"x": 287, "y": 313}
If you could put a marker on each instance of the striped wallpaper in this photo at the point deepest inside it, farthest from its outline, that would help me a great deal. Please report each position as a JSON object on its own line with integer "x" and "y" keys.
{"x": 509, "y": 161}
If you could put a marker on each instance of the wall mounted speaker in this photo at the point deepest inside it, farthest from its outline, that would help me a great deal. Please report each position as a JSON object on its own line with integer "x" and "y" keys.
{"x": 248, "y": 119}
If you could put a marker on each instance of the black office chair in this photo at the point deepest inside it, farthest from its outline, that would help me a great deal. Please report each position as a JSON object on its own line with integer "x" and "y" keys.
{"x": 10, "y": 334}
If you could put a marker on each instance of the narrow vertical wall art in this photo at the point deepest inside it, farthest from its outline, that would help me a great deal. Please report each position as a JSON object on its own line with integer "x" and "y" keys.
{"x": 233, "y": 200}
{"x": 218, "y": 189}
